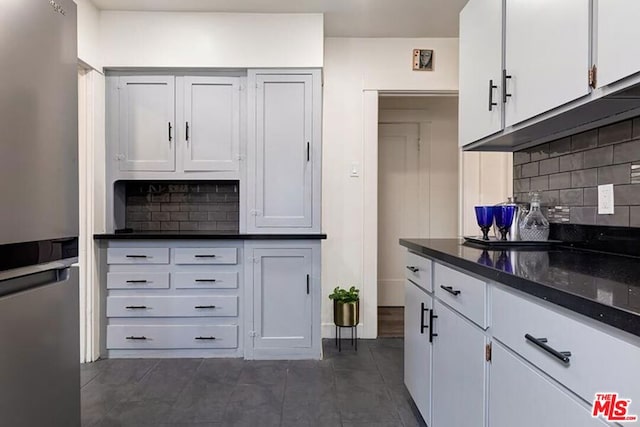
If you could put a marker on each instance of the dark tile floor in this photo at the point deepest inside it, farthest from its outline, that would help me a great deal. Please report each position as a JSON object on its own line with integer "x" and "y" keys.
{"x": 345, "y": 389}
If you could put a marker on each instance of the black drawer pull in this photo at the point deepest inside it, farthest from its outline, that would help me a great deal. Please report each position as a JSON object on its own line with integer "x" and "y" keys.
{"x": 136, "y": 256}
{"x": 205, "y": 280}
{"x": 431, "y": 317}
{"x": 451, "y": 290}
{"x": 412, "y": 269}
{"x": 205, "y": 306}
{"x": 136, "y": 281}
{"x": 422, "y": 325}
{"x": 491, "y": 88}
{"x": 205, "y": 338}
{"x": 137, "y": 338}
{"x": 204, "y": 256}
{"x": 563, "y": 356}
{"x": 136, "y": 307}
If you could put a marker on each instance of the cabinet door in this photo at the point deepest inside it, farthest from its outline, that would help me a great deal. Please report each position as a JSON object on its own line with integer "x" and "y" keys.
{"x": 519, "y": 396}
{"x": 617, "y": 35}
{"x": 212, "y": 123}
{"x": 284, "y": 164}
{"x": 459, "y": 370}
{"x": 146, "y": 123}
{"x": 546, "y": 55}
{"x": 480, "y": 102}
{"x": 417, "y": 348}
{"x": 282, "y": 298}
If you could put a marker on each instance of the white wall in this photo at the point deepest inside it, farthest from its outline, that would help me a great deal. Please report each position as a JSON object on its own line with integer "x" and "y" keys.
{"x": 225, "y": 40}
{"x": 351, "y": 67}
{"x": 89, "y": 34}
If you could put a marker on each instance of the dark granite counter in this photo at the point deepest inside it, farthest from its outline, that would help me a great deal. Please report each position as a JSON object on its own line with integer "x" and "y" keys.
{"x": 602, "y": 286}
{"x": 204, "y": 235}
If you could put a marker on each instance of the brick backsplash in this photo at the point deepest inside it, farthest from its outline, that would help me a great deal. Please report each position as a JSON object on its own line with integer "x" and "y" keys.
{"x": 182, "y": 206}
{"x": 567, "y": 172}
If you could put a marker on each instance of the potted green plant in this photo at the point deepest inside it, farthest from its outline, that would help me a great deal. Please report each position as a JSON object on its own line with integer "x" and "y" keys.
{"x": 346, "y": 306}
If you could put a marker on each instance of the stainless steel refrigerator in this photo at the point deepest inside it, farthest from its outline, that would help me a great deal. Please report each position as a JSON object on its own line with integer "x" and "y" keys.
{"x": 39, "y": 330}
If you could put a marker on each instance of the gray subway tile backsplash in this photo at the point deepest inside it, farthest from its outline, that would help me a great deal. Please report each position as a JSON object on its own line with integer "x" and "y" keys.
{"x": 182, "y": 206}
{"x": 567, "y": 172}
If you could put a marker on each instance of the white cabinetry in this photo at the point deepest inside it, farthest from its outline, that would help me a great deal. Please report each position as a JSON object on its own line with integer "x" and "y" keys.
{"x": 146, "y": 113}
{"x": 480, "y": 102}
{"x": 546, "y": 55}
{"x": 417, "y": 347}
{"x": 284, "y": 152}
{"x": 459, "y": 370}
{"x": 617, "y": 36}
{"x": 285, "y": 298}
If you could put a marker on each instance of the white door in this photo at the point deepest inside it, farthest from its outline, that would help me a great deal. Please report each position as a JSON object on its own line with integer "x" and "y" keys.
{"x": 617, "y": 37}
{"x": 519, "y": 396}
{"x": 399, "y": 210}
{"x": 480, "y": 102}
{"x": 546, "y": 55}
{"x": 212, "y": 123}
{"x": 459, "y": 371}
{"x": 146, "y": 123}
{"x": 417, "y": 348}
{"x": 282, "y": 298}
{"x": 284, "y": 163}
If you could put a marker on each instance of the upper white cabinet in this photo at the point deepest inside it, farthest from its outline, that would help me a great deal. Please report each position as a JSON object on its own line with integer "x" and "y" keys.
{"x": 480, "y": 83}
{"x": 211, "y": 124}
{"x": 546, "y": 56}
{"x": 617, "y": 35}
{"x": 284, "y": 152}
{"x": 146, "y": 116}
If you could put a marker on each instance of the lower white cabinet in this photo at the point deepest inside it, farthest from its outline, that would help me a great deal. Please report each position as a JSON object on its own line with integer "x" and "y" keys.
{"x": 417, "y": 347}
{"x": 285, "y": 296}
{"x": 459, "y": 370}
{"x": 520, "y": 396}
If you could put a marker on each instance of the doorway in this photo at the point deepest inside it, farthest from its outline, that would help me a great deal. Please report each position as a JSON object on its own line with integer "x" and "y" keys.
{"x": 417, "y": 189}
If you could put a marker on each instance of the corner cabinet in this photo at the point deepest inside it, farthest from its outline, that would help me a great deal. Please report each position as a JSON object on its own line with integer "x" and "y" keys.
{"x": 284, "y": 300}
{"x": 284, "y": 151}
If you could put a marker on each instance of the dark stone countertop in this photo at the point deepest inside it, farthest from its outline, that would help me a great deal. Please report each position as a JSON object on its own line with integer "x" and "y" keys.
{"x": 599, "y": 285}
{"x": 204, "y": 235}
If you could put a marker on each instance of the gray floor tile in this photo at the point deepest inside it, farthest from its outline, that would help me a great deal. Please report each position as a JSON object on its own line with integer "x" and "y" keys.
{"x": 407, "y": 410}
{"x": 202, "y": 401}
{"x": 345, "y": 377}
{"x": 371, "y": 424}
{"x": 310, "y": 372}
{"x": 123, "y": 371}
{"x": 312, "y": 404}
{"x": 98, "y": 399}
{"x": 365, "y": 403}
{"x": 220, "y": 371}
{"x": 255, "y": 405}
{"x": 89, "y": 371}
{"x": 166, "y": 380}
{"x": 133, "y": 414}
{"x": 264, "y": 372}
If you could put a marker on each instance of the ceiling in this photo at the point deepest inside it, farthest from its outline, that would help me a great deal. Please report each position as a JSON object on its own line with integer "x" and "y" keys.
{"x": 343, "y": 18}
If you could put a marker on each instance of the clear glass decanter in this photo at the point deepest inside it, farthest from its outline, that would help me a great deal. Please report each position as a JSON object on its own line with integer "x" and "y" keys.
{"x": 534, "y": 226}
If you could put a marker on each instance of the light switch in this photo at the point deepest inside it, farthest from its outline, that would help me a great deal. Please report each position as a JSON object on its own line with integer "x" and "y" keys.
{"x": 355, "y": 170}
{"x": 605, "y": 199}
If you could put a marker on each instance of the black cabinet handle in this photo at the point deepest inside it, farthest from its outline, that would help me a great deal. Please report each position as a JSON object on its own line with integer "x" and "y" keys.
{"x": 205, "y": 338}
{"x": 422, "y": 325}
{"x": 308, "y": 151}
{"x": 205, "y": 280}
{"x": 135, "y": 256}
{"x": 137, "y": 338}
{"x": 136, "y": 307}
{"x": 186, "y": 131}
{"x": 412, "y": 269}
{"x": 308, "y": 279}
{"x": 137, "y": 281}
{"x": 170, "y": 135}
{"x": 204, "y": 256}
{"x": 451, "y": 290}
{"x": 205, "y": 306}
{"x": 505, "y": 94}
{"x": 431, "y": 334}
{"x": 491, "y": 88}
{"x": 563, "y": 356}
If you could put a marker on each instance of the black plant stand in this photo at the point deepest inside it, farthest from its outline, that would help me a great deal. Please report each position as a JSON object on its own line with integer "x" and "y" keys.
{"x": 354, "y": 336}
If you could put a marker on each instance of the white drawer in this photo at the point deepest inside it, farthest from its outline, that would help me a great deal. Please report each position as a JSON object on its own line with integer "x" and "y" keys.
{"x": 172, "y": 306}
{"x": 599, "y": 362}
{"x": 138, "y": 256}
{"x": 206, "y": 255}
{"x": 205, "y": 280}
{"x": 171, "y": 337}
{"x": 138, "y": 280}
{"x": 418, "y": 270}
{"x": 463, "y": 293}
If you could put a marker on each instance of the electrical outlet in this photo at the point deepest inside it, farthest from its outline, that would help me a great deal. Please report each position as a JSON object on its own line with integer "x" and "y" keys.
{"x": 605, "y": 200}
